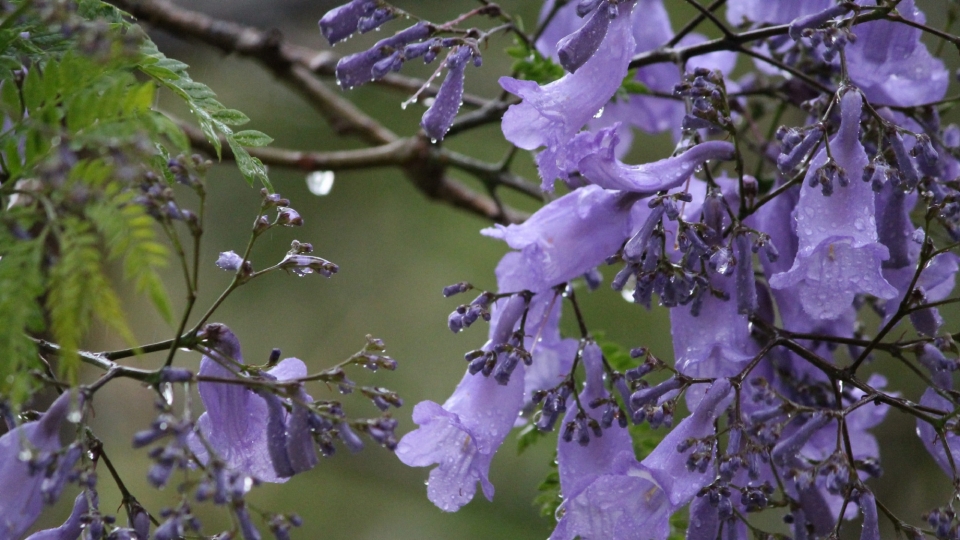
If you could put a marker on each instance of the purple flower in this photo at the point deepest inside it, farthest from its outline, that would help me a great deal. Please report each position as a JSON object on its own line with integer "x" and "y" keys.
{"x": 551, "y": 115}
{"x": 578, "y": 47}
{"x": 773, "y": 11}
{"x": 606, "y": 495}
{"x": 670, "y": 468}
{"x": 715, "y": 343}
{"x": 229, "y": 261}
{"x": 600, "y": 166}
{"x": 892, "y": 66}
{"x": 462, "y": 436}
{"x": 30, "y": 441}
{"x": 439, "y": 117}
{"x": 358, "y": 68}
{"x": 72, "y": 527}
{"x": 569, "y": 236}
{"x": 838, "y": 253}
{"x": 340, "y": 22}
{"x": 250, "y": 431}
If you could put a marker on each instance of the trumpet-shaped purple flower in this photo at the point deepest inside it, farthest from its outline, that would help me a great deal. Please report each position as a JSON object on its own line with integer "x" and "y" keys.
{"x": 715, "y": 343}
{"x": 551, "y": 115}
{"x": 601, "y": 167}
{"x": 606, "y": 494}
{"x": 23, "y": 500}
{"x": 252, "y": 432}
{"x": 838, "y": 253}
{"x": 892, "y": 66}
{"x": 462, "y": 436}
{"x": 569, "y": 236}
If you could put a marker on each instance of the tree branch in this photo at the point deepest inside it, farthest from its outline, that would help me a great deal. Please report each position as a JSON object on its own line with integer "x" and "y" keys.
{"x": 423, "y": 163}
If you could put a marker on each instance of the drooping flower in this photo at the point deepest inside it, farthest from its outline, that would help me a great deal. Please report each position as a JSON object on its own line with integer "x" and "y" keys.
{"x": 250, "y": 431}
{"x": 462, "y": 436}
{"x": 606, "y": 494}
{"x": 571, "y": 235}
{"x": 551, "y": 115}
{"x": 20, "y": 448}
{"x": 838, "y": 253}
{"x": 716, "y": 342}
{"x": 439, "y": 117}
{"x": 892, "y": 66}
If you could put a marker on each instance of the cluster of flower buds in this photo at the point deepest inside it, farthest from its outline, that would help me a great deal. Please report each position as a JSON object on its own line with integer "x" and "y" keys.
{"x": 467, "y": 314}
{"x": 796, "y": 144}
{"x": 708, "y": 99}
{"x": 56, "y": 468}
{"x": 389, "y": 54}
{"x": 817, "y": 29}
{"x": 501, "y": 360}
{"x": 157, "y": 198}
{"x": 944, "y": 523}
{"x": 355, "y": 16}
{"x": 554, "y": 405}
{"x": 177, "y": 521}
{"x": 176, "y": 454}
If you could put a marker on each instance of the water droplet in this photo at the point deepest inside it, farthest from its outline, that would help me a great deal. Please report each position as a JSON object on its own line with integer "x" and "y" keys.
{"x": 599, "y": 113}
{"x": 74, "y": 416}
{"x": 320, "y": 182}
{"x": 166, "y": 390}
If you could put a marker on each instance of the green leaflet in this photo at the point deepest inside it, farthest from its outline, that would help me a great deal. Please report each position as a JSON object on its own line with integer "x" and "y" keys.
{"x": 214, "y": 119}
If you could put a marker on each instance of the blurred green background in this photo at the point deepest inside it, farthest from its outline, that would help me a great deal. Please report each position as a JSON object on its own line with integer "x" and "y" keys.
{"x": 396, "y": 250}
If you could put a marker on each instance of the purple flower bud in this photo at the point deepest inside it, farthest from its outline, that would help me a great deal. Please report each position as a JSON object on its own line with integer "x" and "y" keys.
{"x": 229, "y": 261}
{"x": 391, "y": 63}
{"x": 289, "y": 217}
{"x": 635, "y": 247}
{"x": 172, "y": 374}
{"x": 505, "y": 369}
{"x": 652, "y": 394}
{"x": 340, "y": 22}
{"x": 927, "y": 156}
{"x": 357, "y": 69}
{"x": 907, "y": 171}
{"x": 721, "y": 261}
{"x": 788, "y": 447}
{"x": 416, "y": 50}
{"x": 247, "y": 529}
{"x": 455, "y": 322}
{"x": 594, "y": 279}
{"x": 456, "y": 288}
{"x": 350, "y": 439}
{"x": 375, "y": 19}
{"x": 52, "y": 486}
{"x": 575, "y": 49}
{"x": 439, "y": 117}
{"x": 140, "y": 521}
{"x": 788, "y": 161}
{"x": 816, "y": 20}
{"x": 745, "y": 279}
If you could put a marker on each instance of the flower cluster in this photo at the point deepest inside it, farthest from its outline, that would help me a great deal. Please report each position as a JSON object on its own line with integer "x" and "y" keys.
{"x": 764, "y": 275}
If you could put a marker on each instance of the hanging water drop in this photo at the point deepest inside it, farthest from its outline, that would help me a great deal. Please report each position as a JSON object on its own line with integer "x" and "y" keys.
{"x": 320, "y": 182}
